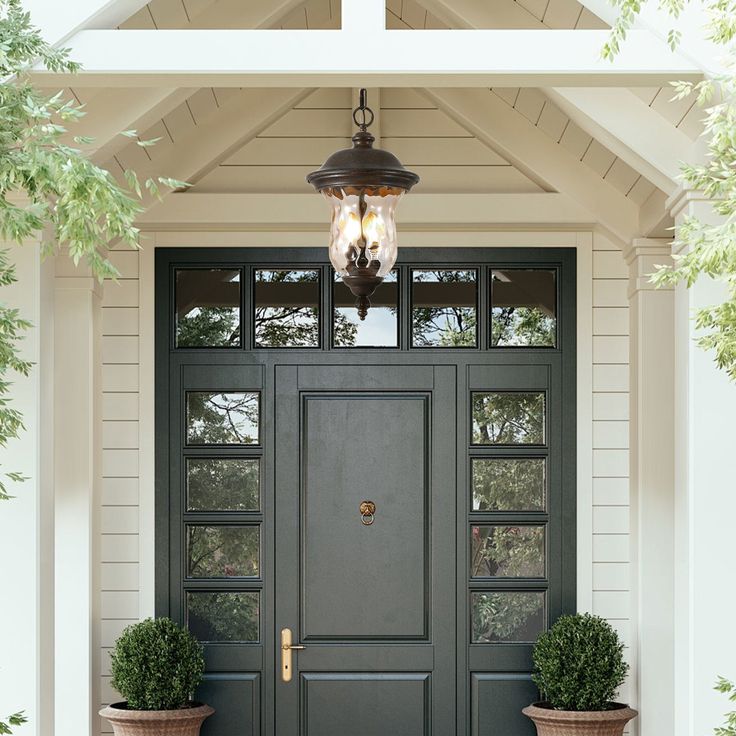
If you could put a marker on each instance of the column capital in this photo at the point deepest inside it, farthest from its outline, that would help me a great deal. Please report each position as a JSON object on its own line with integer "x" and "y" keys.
{"x": 644, "y": 256}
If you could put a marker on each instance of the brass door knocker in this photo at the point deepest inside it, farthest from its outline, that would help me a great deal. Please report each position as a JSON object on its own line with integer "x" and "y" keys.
{"x": 367, "y": 512}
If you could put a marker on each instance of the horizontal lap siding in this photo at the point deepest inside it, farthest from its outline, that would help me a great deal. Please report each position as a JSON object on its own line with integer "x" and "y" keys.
{"x": 119, "y": 548}
{"x": 119, "y": 513}
{"x": 611, "y": 512}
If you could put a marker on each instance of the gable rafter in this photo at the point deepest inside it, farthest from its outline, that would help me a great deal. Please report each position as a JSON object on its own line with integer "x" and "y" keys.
{"x": 531, "y": 150}
{"x": 263, "y": 58}
{"x": 112, "y": 111}
{"x": 614, "y": 116}
{"x": 225, "y": 131}
{"x": 628, "y": 127}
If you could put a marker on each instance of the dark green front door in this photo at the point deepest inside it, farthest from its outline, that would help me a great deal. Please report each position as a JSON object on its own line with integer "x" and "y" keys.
{"x": 373, "y": 603}
{"x": 274, "y": 437}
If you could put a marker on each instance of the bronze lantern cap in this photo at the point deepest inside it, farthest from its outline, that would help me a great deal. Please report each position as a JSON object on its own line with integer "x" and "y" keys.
{"x": 362, "y": 166}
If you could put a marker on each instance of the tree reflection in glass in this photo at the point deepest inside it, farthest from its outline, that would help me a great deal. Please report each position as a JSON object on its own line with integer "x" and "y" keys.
{"x": 507, "y": 551}
{"x": 224, "y": 615}
{"x": 222, "y": 418}
{"x": 504, "y": 617}
{"x": 523, "y": 308}
{"x": 508, "y": 484}
{"x": 223, "y": 484}
{"x": 223, "y": 551}
{"x": 444, "y": 308}
{"x": 207, "y": 307}
{"x": 287, "y": 308}
{"x": 508, "y": 418}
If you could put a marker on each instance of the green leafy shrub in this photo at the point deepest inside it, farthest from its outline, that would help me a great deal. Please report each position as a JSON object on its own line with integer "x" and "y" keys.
{"x": 579, "y": 663}
{"x": 157, "y": 665}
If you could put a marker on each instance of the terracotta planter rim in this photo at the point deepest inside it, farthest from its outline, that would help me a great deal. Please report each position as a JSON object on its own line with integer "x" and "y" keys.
{"x": 121, "y": 712}
{"x": 613, "y": 707}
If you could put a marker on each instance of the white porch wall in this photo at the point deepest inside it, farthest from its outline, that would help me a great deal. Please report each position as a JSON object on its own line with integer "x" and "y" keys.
{"x": 604, "y": 554}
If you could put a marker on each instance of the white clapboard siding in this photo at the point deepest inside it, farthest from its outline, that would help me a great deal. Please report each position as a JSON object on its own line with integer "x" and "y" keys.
{"x": 119, "y": 523}
{"x": 611, "y": 494}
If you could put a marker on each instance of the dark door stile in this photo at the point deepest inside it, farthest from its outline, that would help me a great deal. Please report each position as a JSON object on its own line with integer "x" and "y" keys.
{"x": 428, "y": 678}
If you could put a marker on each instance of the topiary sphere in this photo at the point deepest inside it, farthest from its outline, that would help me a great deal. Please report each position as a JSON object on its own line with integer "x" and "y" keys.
{"x": 157, "y": 665}
{"x": 579, "y": 663}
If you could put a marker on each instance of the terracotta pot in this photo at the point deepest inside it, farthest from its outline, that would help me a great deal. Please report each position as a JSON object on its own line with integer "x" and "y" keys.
{"x": 551, "y": 722}
{"x": 180, "y": 722}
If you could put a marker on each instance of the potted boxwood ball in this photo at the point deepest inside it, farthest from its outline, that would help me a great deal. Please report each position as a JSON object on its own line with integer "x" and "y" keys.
{"x": 579, "y": 667}
{"x": 156, "y": 666}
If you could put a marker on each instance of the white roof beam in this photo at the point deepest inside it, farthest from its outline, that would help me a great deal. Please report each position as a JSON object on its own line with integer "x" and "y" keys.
{"x": 59, "y": 20}
{"x": 224, "y": 132}
{"x": 626, "y": 125}
{"x": 480, "y": 58}
{"x": 508, "y": 132}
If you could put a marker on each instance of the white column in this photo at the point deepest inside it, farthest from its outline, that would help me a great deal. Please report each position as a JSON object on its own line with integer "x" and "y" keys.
{"x": 77, "y": 443}
{"x": 652, "y": 486}
{"x": 26, "y": 521}
{"x": 705, "y": 508}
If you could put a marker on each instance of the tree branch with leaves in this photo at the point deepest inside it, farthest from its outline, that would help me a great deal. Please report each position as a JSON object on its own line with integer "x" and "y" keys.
{"x": 703, "y": 249}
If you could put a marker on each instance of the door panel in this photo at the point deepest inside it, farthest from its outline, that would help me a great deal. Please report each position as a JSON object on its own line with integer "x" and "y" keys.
{"x": 366, "y": 704}
{"x": 364, "y": 582}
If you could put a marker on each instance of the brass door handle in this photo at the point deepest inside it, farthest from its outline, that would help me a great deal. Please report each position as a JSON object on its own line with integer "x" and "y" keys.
{"x": 286, "y": 649}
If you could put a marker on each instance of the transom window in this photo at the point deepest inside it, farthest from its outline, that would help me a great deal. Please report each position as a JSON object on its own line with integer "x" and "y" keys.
{"x": 250, "y": 307}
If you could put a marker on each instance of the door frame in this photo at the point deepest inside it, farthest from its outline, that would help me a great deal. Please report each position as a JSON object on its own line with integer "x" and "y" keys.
{"x": 565, "y": 258}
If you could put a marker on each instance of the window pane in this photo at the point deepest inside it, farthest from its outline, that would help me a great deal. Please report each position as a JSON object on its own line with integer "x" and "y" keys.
{"x": 507, "y": 551}
{"x": 506, "y": 418}
{"x": 207, "y": 307}
{"x": 223, "y": 616}
{"x": 444, "y": 311}
{"x": 508, "y": 484}
{"x": 523, "y": 307}
{"x": 222, "y": 418}
{"x": 223, "y": 484}
{"x": 507, "y": 616}
{"x": 287, "y": 309}
{"x": 379, "y": 328}
{"x": 223, "y": 551}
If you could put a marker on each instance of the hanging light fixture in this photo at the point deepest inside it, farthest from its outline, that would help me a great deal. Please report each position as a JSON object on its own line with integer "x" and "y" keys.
{"x": 363, "y": 186}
